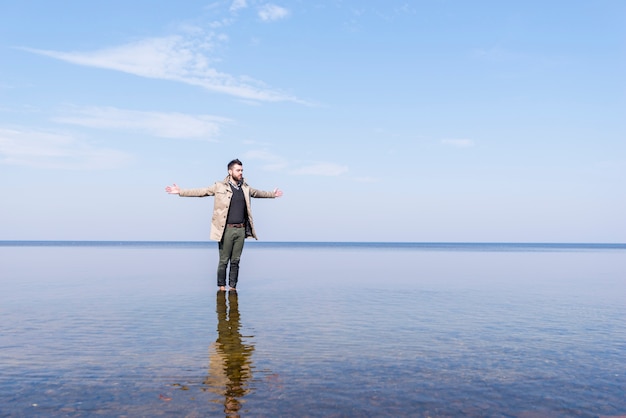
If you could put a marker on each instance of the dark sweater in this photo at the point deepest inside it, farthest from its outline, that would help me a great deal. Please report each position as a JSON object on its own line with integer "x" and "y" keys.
{"x": 237, "y": 210}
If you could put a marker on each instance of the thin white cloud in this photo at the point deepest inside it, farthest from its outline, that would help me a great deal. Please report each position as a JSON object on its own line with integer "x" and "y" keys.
{"x": 238, "y": 5}
{"x": 497, "y": 53}
{"x": 221, "y": 23}
{"x": 459, "y": 143}
{"x": 367, "y": 179}
{"x": 42, "y": 149}
{"x": 271, "y": 162}
{"x": 271, "y": 12}
{"x": 177, "y": 58}
{"x": 321, "y": 169}
{"x": 160, "y": 124}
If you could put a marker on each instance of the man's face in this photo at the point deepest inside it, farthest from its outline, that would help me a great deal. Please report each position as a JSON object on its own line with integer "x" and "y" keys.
{"x": 236, "y": 172}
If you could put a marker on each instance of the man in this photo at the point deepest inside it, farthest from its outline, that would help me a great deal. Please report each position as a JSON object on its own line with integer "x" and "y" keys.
{"x": 232, "y": 219}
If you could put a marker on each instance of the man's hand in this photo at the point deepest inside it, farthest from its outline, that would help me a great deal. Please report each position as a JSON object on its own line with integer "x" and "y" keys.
{"x": 278, "y": 193}
{"x": 173, "y": 189}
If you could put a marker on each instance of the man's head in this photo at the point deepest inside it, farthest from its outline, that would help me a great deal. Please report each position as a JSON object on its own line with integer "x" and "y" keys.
{"x": 235, "y": 170}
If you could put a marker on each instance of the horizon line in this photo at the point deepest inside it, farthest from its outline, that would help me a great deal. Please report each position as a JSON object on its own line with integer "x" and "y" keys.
{"x": 414, "y": 243}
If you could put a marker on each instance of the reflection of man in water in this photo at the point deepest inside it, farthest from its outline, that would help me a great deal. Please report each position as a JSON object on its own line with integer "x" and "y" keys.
{"x": 230, "y": 359}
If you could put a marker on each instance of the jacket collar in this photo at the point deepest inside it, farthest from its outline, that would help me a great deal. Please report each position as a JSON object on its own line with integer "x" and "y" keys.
{"x": 228, "y": 181}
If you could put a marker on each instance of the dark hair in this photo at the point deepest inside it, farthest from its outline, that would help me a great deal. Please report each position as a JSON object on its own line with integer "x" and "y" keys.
{"x": 234, "y": 162}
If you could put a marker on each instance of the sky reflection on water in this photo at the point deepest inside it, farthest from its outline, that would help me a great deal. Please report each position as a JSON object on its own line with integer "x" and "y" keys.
{"x": 318, "y": 332}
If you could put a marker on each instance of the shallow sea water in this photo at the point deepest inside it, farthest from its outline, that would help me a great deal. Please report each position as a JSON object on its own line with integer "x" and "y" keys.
{"x": 315, "y": 330}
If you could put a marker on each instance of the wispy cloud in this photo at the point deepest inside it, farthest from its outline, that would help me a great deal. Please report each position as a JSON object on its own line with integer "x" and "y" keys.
{"x": 271, "y": 12}
{"x": 271, "y": 162}
{"x": 367, "y": 179}
{"x": 459, "y": 143}
{"x": 321, "y": 169}
{"x": 43, "y": 149}
{"x": 160, "y": 124}
{"x": 498, "y": 53}
{"x": 181, "y": 58}
{"x": 238, "y": 5}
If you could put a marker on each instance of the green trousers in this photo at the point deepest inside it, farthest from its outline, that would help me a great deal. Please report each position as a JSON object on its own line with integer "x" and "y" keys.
{"x": 231, "y": 247}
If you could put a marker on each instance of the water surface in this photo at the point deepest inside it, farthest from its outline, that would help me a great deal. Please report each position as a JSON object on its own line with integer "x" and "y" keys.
{"x": 316, "y": 329}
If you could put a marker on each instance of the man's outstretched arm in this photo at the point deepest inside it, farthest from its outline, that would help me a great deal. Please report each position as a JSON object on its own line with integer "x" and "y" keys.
{"x": 198, "y": 192}
{"x": 265, "y": 194}
{"x": 173, "y": 189}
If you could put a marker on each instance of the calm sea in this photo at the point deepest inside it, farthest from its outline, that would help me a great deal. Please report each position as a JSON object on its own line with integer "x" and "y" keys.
{"x": 138, "y": 329}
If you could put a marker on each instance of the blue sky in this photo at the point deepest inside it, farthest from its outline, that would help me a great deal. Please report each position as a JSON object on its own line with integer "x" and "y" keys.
{"x": 380, "y": 120}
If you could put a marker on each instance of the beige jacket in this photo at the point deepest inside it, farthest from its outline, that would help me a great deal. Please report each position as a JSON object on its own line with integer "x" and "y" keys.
{"x": 223, "y": 194}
